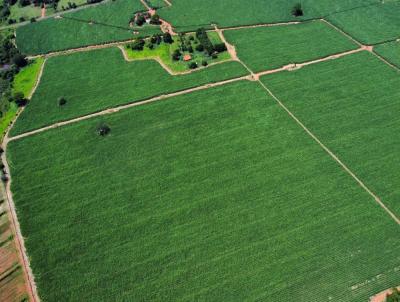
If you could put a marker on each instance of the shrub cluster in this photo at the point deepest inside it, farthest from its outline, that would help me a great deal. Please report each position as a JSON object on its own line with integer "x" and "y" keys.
{"x": 202, "y": 36}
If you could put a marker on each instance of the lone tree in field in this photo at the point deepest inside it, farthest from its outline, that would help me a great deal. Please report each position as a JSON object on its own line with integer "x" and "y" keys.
{"x": 62, "y": 101}
{"x": 297, "y": 10}
{"x": 103, "y": 130}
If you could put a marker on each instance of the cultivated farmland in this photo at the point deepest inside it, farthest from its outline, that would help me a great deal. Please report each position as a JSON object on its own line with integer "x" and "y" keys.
{"x": 356, "y": 115}
{"x": 292, "y": 44}
{"x": 208, "y": 196}
{"x": 390, "y": 51}
{"x": 103, "y": 23}
{"x": 238, "y": 12}
{"x": 96, "y": 80}
{"x": 217, "y": 156}
{"x": 370, "y": 24}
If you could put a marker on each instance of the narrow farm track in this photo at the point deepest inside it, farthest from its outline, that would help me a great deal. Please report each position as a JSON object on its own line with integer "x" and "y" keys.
{"x": 332, "y": 155}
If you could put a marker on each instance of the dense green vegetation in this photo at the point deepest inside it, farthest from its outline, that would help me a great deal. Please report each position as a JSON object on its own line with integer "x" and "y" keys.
{"x": 11, "y": 63}
{"x": 352, "y": 105}
{"x": 25, "y": 80}
{"x": 371, "y": 24}
{"x": 265, "y": 48}
{"x": 211, "y": 196}
{"x": 173, "y": 54}
{"x": 103, "y": 23}
{"x": 390, "y": 51}
{"x": 190, "y": 14}
{"x": 95, "y": 80}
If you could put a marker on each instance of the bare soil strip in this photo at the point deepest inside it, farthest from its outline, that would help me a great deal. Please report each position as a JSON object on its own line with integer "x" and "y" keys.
{"x": 294, "y": 66}
{"x": 265, "y": 25}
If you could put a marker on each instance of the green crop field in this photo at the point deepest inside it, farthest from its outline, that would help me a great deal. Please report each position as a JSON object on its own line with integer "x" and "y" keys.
{"x": 390, "y": 51}
{"x": 238, "y": 12}
{"x": 96, "y": 80}
{"x": 371, "y": 24}
{"x": 100, "y": 24}
{"x": 265, "y": 48}
{"x": 211, "y": 196}
{"x": 352, "y": 104}
{"x": 156, "y": 3}
{"x": 169, "y": 167}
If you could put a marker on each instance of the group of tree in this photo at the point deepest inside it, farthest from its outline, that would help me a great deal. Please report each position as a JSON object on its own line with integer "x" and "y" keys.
{"x": 207, "y": 45}
{"x": 156, "y": 39}
{"x": 141, "y": 18}
{"x": 11, "y": 61}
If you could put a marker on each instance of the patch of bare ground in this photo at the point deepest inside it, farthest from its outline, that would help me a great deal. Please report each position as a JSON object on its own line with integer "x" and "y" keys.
{"x": 381, "y": 297}
{"x": 12, "y": 282}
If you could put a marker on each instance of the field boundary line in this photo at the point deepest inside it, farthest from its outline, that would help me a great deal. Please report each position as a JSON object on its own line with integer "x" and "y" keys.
{"x": 368, "y": 47}
{"x": 332, "y": 155}
{"x": 123, "y": 107}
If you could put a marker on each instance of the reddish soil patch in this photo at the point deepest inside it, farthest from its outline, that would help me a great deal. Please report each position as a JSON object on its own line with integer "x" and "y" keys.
{"x": 381, "y": 297}
{"x": 43, "y": 12}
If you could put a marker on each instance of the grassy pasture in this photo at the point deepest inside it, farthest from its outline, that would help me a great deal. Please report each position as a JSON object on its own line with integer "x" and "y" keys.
{"x": 208, "y": 196}
{"x": 352, "y": 105}
{"x": 164, "y": 53}
{"x": 96, "y": 80}
{"x": 371, "y": 24}
{"x": 189, "y": 14}
{"x": 25, "y": 80}
{"x": 265, "y": 48}
{"x": 75, "y": 30}
{"x": 390, "y": 51}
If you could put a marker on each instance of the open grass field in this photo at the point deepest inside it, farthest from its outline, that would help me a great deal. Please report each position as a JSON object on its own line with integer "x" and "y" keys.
{"x": 352, "y": 105}
{"x": 26, "y": 79}
{"x": 108, "y": 22}
{"x": 211, "y": 196}
{"x": 238, "y": 12}
{"x": 265, "y": 48}
{"x": 390, "y": 51}
{"x": 371, "y": 24}
{"x": 96, "y": 80}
